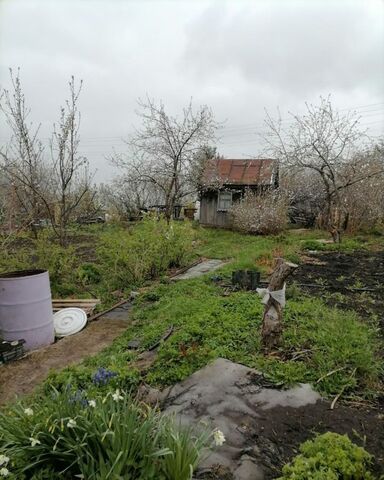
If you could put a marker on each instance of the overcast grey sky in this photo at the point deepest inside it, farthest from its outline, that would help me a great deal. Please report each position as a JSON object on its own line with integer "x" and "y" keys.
{"x": 238, "y": 57}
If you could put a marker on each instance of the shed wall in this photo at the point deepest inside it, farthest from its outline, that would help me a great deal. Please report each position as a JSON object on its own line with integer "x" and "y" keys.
{"x": 209, "y": 214}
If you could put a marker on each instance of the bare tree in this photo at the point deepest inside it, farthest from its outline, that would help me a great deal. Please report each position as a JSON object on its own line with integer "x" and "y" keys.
{"x": 127, "y": 196}
{"x": 323, "y": 141}
{"x": 162, "y": 151}
{"x": 22, "y": 159}
{"x": 44, "y": 189}
{"x": 71, "y": 176}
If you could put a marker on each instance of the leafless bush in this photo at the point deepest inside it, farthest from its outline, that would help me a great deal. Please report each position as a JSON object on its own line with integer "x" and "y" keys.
{"x": 265, "y": 213}
{"x": 364, "y": 201}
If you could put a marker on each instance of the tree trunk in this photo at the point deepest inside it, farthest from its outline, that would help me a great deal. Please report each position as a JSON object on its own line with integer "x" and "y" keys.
{"x": 272, "y": 326}
{"x": 336, "y": 235}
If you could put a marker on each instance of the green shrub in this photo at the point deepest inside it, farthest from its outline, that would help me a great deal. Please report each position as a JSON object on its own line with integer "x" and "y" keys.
{"x": 69, "y": 434}
{"x": 329, "y": 457}
{"x": 145, "y": 252}
{"x": 313, "y": 245}
{"x": 61, "y": 263}
{"x": 89, "y": 273}
{"x": 11, "y": 261}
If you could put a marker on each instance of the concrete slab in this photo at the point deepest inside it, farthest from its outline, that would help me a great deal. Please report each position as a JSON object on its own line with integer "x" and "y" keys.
{"x": 200, "y": 269}
{"x": 226, "y": 395}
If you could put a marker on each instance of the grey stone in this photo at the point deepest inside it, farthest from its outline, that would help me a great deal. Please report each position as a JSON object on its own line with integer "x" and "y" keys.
{"x": 248, "y": 470}
{"x": 148, "y": 394}
{"x": 133, "y": 344}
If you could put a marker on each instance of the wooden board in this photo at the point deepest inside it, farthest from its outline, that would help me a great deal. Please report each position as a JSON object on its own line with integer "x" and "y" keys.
{"x": 86, "y": 304}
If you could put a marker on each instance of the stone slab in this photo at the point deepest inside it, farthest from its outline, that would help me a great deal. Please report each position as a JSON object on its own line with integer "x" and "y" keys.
{"x": 200, "y": 269}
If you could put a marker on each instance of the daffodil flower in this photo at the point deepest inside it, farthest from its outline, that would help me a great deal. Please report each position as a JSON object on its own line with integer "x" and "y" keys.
{"x": 4, "y": 472}
{"x": 71, "y": 423}
{"x": 34, "y": 441}
{"x": 116, "y": 396}
{"x": 28, "y": 412}
{"x": 92, "y": 403}
{"x": 3, "y": 460}
{"x": 218, "y": 438}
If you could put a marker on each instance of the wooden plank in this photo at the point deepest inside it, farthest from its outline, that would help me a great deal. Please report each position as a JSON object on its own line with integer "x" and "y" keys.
{"x": 86, "y": 304}
{"x": 77, "y": 300}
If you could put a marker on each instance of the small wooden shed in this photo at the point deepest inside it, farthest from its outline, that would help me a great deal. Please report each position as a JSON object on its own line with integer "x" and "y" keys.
{"x": 225, "y": 181}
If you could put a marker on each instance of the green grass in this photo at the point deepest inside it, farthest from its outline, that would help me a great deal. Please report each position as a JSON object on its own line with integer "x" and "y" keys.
{"x": 208, "y": 326}
{"x": 332, "y": 349}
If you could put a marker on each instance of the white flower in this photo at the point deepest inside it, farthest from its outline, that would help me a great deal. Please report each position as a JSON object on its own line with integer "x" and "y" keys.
{"x": 4, "y": 472}
{"x": 3, "y": 460}
{"x": 28, "y": 412}
{"x": 34, "y": 441}
{"x": 116, "y": 396}
{"x": 71, "y": 423}
{"x": 218, "y": 438}
{"x": 92, "y": 403}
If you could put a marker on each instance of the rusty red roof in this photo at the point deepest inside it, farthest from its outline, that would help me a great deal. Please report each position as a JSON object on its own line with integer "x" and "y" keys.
{"x": 260, "y": 171}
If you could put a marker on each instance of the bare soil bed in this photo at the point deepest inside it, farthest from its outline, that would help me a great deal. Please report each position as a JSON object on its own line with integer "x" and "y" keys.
{"x": 284, "y": 429}
{"x": 353, "y": 281}
{"x": 281, "y": 430}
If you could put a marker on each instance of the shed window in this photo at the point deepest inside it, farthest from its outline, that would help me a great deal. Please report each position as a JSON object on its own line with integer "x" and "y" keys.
{"x": 224, "y": 201}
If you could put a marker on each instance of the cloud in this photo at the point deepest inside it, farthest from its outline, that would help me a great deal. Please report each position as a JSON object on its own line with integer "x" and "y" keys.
{"x": 237, "y": 57}
{"x": 296, "y": 48}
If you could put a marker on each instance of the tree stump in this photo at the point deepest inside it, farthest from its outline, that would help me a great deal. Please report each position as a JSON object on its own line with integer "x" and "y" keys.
{"x": 272, "y": 326}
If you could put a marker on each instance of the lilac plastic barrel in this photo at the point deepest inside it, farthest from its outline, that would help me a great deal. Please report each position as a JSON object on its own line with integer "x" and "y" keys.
{"x": 26, "y": 308}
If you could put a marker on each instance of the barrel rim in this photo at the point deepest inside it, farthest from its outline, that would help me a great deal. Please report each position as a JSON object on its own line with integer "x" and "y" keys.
{"x": 20, "y": 274}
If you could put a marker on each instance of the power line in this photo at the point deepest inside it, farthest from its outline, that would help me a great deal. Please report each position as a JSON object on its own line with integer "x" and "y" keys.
{"x": 239, "y": 130}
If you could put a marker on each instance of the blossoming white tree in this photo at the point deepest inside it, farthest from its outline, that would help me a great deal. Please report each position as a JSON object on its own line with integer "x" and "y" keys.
{"x": 326, "y": 143}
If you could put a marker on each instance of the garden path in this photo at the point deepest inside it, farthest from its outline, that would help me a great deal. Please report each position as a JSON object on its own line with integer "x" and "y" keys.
{"x": 22, "y": 376}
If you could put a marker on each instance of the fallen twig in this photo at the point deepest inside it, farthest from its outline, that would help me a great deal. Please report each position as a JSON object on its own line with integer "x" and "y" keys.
{"x": 330, "y": 373}
{"x": 341, "y": 391}
{"x": 162, "y": 339}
